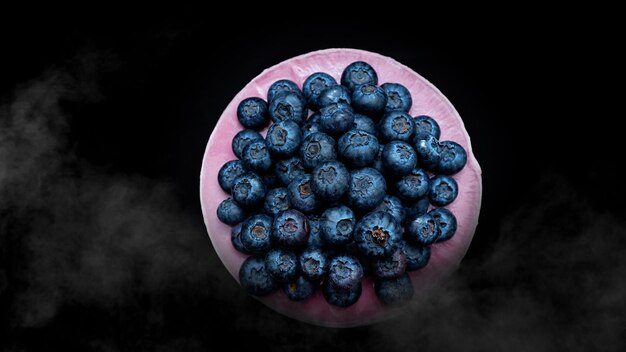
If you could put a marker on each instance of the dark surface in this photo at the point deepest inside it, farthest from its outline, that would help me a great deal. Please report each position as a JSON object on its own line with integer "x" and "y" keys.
{"x": 103, "y": 125}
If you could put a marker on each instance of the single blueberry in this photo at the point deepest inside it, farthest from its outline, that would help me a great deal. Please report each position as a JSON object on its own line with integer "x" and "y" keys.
{"x": 256, "y": 156}
{"x": 336, "y": 119}
{"x": 396, "y": 126}
{"x": 423, "y": 230}
{"x": 443, "y": 190}
{"x": 395, "y": 291}
{"x": 345, "y": 272}
{"x": 330, "y": 180}
{"x": 235, "y": 238}
{"x": 393, "y": 206}
{"x": 281, "y": 264}
{"x": 254, "y": 277}
{"x": 317, "y": 148}
{"x": 301, "y": 197}
{"x": 290, "y": 229}
{"x": 399, "y": 158}
{"x": 453, "y": 158}
{"x": 377, "y": 234}
{"x": 416, "y": 256}
{"x": 412, "y": 186}
{"x": 252, "y": 113}
{"x": 416, "y": 208}
{"x": 311, "y": 125}
{"x": 428, "y": 152}
{"x": 288, "y": 106}
{"x": 390, "y": 266}
{"x": 340, "y": 297}
{"x": 282, "y": 86}
{"x": 288, "y": 170}
{"x": 398, "y": 97}
{"x": 337, "y": 225}
{"x": 227, "y": 174}
{"x": 362, "y": 122}
{"x": 315, "y": 232}
{"x": 276, "y": 201}
{"x": 367, "y": 188}
{"x": 334, "y": 95}
{"x": 314, "y": 85}
{"x": 248, "y": 189}
{"x": 424, "y": 126}
{"x": 299, "y": 289}
{"x": 358, "y": 73}
{"x": 446, "y": 221}
{"x": 369, "y": 99}
{"x": 256, "y": 234}
{"x": 314, "y": 264}
{"x": 283, "y": 138}
{"x": 242, "y": 139}
{"x": 358, "y": 148}
{"x": 230, "y": 213}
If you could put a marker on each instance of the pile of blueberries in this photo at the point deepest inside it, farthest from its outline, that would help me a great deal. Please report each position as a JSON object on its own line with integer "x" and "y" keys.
{"x": 327, "y": 199}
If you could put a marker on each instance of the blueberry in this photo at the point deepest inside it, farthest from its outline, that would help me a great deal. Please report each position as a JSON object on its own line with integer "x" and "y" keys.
{"x": 358, "y": 73}
{"x": 395, "y": 291}
{"x": 396, "y": 126}
{"x": 394, "y": 207}
{"x": 369, "y": 99}
{"x": 426, "y": 125}
{"x": 311, "y": 125}
{"x": 412, "y": 186}
{"x": 345, "y": 272}
{"x": 340, "y": 297}
{"x": 281, "y": 264}
{"x": 256, "y": 156}
{"x": 254, "y": 277}
{"x": 446, "y": 221}
{"x": 416, "y": 208}
{"x": 330, "y": 180}
{"x": 313, "y": 264}
{"x": 367, "y": 188}
{"x": 358, "y": 148}
{"x": 252, "y": 113}
{"x": 242, "y": 139}
{"x": 337, "y": 225}
{"x": 314, "y": 85}
{"x": 299, "y": 289}
{"x": 416, "y": 256}
{"x": 301, "y": 197}
{"x": 235, "y": 238}
{"x": 398, "y": 97}
{"x": 362, "y": 122}
{"x": 283, "y": 138}
{"x": 390, "y": 266}
{"x": 256, "y": 234}
{"x": 423, "y": 230}
{"x": 248, "y": 189}
{"x": 227, "y": 174}
{"x": 288, "y": 170}
{"x": 315, "y": 233}
{"x": 282, "y": 86}
{"x": 334, "y": 95}
{"x": 428, "y": 152}
{"x": 290, "y": 229}
{"x": 399, "y": 158}
{"x": 453, "y": 158}
{"x": 377, "y": 234}
{"x": 317, "y": 148}
{"x": 288, "y": 106}
{"x": 276, "y": 201}
{"x": 336, "y": 119}
{"x": 230, "y": 213}
{"x": 443, "y": 190}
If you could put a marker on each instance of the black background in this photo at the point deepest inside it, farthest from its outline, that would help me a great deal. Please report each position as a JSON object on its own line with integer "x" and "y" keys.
{"x": 136, "y": 97}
